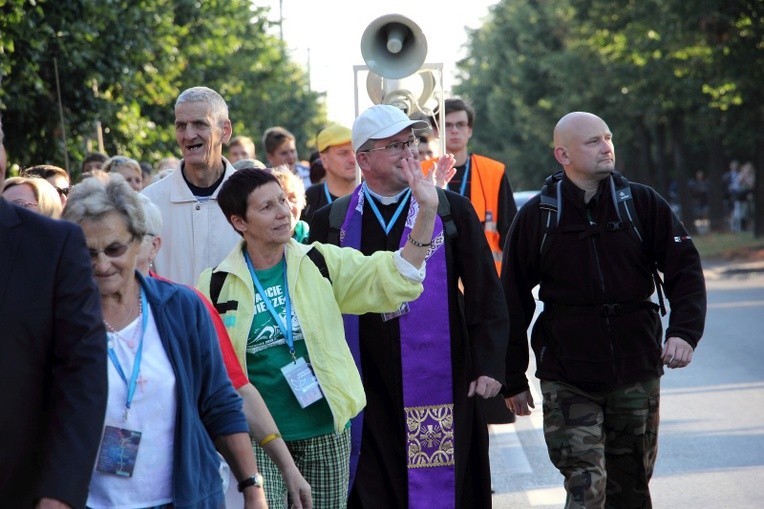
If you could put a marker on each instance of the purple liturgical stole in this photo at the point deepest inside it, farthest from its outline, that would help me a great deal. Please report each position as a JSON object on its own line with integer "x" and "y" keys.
{"x": 426, "y": 368}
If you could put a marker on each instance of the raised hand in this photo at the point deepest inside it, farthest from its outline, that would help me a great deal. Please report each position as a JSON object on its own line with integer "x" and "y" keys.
{"x": 444, "y": 170}
{"x": 422, "y": 187}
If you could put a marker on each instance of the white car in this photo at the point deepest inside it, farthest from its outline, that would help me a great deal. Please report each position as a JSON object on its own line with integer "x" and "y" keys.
{"x": 521, "y": 197}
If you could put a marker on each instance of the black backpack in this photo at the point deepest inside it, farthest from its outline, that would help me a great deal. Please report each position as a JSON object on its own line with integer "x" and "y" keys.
{"x": 620, "y": 190}
{"x": 218, "y": 279}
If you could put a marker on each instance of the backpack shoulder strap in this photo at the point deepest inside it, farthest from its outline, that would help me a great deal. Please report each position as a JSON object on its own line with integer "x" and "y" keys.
{"x": 550, "y": 207}
{"x": 337, "y": 212}
{"x": 444, "y": 211}
{"x": 216, "y": 285}
{"x": 624, "y": 205}
{"x": 319, "y": 261}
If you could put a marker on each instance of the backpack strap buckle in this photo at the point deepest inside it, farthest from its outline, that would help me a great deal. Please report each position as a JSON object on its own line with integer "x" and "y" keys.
{"x": 615, "y": 226}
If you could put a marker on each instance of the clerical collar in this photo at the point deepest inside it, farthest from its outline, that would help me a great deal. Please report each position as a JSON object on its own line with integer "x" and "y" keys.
{"x": 387, "y": 200}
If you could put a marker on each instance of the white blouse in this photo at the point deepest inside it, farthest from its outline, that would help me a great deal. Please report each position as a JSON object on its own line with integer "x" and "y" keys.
{"x": 152, "y": 413}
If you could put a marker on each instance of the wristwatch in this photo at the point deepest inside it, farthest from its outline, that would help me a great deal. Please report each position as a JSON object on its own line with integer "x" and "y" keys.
{"x": 256, "y": 480}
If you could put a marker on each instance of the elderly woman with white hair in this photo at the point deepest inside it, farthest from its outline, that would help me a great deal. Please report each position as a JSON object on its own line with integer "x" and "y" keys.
{"x": 170, "y": 402}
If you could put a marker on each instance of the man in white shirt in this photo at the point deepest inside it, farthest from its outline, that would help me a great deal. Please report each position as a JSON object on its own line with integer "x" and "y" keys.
{"x": 195, "y": 233}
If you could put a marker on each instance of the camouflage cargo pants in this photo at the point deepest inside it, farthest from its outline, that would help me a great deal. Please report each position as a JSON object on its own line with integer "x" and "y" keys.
{"x": 604, "y": 444}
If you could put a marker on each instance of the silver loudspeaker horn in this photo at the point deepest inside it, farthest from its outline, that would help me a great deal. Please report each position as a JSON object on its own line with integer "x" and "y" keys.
{"x": 393, "y": 46}
{"x": 409, "y": 94}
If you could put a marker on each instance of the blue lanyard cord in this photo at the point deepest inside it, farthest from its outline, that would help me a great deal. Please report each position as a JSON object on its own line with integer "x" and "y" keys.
{"x": 385, "y": 226}
{"x": 132, "y": 384}
{"x": 328, "y": 195}
{"x": 466, "y": 177}
{"x": 284, "y": 325}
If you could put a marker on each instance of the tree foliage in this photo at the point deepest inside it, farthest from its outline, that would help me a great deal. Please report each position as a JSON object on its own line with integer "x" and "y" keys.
{"x": 122, "y": 63}
{"x": 678, "y": 82}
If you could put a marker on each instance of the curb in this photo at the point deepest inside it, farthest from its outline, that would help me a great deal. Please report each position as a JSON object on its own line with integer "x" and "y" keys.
{"x": 734, "y": 269}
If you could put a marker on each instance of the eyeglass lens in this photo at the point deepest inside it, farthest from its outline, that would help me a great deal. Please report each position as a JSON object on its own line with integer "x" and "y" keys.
{"x": 398, "y": 147}
{"x": 112, "y": 251}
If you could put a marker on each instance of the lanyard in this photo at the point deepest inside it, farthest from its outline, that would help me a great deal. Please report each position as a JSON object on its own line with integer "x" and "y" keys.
{"x": 286, "y": 331}
{"x": 138, "y": 355}
{"x": 385, "y": 226}
{"x": 328, "y": 195}
{"x": 466, "y": 177}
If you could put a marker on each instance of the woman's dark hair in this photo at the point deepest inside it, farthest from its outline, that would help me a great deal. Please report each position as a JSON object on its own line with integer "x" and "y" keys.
{"x": 235, "y": 191}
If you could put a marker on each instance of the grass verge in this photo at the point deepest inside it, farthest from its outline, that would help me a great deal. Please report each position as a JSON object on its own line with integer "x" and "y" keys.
{"x": 730, "y": 246}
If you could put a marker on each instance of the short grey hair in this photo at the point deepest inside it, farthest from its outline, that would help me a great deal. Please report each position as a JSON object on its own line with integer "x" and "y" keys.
{"x": 217, "y": 104}
{"x": 288, "y": 180}
{"x": 365, "y": 146}
{"x": 93, "y": 198}
{"x": 153, "y": 216}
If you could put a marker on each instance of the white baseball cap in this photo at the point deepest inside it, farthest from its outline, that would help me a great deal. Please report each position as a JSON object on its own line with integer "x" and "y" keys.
{"x": 382, "y": 121}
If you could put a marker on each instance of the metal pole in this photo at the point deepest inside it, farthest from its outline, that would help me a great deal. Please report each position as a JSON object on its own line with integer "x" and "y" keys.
{"x": 61, "y": 115}
{"x": 98, "y": 128}
{"x": 310, "y": 87}
{"x": 281, "y": 20}
{"x": 357, "y": 68}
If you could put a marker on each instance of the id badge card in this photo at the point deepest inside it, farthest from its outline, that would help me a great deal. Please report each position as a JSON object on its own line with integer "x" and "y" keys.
{"x": 303, "y": 382}
{"x": 119, "y": 450}
{"x": 386, "y": 317}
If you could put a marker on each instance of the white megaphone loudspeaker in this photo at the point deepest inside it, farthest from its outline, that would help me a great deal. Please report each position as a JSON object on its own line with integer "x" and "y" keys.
{"x": 409, "y": 94}
{"x": 393, "y": 46}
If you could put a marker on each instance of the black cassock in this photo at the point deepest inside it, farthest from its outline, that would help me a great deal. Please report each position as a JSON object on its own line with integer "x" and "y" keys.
{"x": 479, "y": 330}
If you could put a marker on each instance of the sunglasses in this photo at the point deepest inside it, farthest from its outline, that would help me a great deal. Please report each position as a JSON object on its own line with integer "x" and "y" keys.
{"x": 63, "y": 191}
{"x": 26, "y": 204}
{"x": 113, "y": 251}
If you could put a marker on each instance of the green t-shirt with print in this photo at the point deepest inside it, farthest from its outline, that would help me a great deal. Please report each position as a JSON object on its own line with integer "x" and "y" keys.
{"x": 268, "y": 352}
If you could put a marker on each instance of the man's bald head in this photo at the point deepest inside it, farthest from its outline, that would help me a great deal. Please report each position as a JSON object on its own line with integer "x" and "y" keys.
{"x": 571, "y": 126}
{"x": 583, "y": 145}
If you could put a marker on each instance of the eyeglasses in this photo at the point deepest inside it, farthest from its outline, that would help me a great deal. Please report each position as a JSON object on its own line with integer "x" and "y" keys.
{"x": 396, "y": 148}
{"x": 113, "y": 251}
{"x": 25, "y": 204}
{"x": 63, "y": 191}
{"x": 461, "y": 125}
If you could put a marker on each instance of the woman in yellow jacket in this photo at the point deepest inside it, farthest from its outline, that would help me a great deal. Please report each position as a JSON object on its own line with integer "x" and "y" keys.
{"x": 285, "y": 323}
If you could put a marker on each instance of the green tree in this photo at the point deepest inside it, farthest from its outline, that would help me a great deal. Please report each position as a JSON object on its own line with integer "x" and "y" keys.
{"x": 106, "y": 54}
{"x": 121, "y": 65}
{"x": 251, "y": 70}
{"x": 677, "y": 82}
{"x": 511, "y": 76}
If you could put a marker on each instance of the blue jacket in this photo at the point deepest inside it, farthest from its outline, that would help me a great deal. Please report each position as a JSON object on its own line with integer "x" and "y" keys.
{"x": 208, "y": 407}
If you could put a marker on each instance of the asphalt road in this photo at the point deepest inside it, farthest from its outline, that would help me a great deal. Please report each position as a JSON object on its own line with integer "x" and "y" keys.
{"x": 711, "y": 445}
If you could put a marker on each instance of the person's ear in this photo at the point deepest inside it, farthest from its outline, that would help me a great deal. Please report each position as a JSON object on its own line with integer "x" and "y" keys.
{"x": 156, "y": 245}
{"x": 362, "y": 158}
{"x": 239, "y": 223}
{"x": 561, "y": 154}
{"x": 227, "y": 131}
